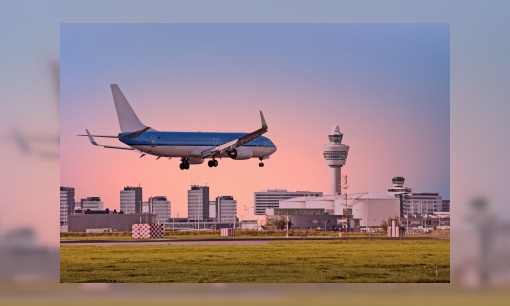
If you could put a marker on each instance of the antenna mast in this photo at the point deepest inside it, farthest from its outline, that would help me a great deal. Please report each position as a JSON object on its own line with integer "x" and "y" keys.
{"x": 344, "y": 187}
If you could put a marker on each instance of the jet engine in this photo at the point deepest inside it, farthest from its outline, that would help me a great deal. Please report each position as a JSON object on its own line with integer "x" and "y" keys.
{"x": 240, "y": 153}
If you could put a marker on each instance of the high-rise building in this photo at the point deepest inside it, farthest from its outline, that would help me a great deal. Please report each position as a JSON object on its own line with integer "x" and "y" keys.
{"x": 446, "y": 206}
{"x": 270, "y": 198}
{"x": 77, "y": 207}
{"x": 335, "y": 154}
{"x": 227, "y": 209}
{"x": 146, "y": 207}
{"x": 66, "y": 203}
{"x": 212, "y": 210}
{"x": 198, "y": 203}
{"x": 92, "y": 203}
{"x": 161, "y": 207}
{"x": 131, "y": 200}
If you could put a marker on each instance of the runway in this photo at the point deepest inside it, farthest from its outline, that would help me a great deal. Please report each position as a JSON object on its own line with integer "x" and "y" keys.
{"x": 245, "y": 241}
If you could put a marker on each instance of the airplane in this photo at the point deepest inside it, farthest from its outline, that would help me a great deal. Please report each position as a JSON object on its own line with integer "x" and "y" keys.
{"x": 191, "y": 147}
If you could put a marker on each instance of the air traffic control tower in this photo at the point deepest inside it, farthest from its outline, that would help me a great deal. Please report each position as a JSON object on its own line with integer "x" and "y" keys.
{"x": 398, "y": 190}
{"x": 335, "y": 154}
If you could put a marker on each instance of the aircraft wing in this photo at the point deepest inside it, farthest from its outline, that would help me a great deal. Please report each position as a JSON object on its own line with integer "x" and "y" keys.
{"x": 231, "y": 145}
{"x": 107, "y": 147}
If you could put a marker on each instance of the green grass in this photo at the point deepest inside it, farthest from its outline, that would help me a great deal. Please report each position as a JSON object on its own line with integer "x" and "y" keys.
{"x": 296, "y": 261}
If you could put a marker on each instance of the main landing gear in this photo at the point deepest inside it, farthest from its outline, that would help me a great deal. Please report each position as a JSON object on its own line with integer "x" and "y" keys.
{"x": 212, "y": 163}
{"x": 261, "y": 164}
{"x": 184, "y": 164}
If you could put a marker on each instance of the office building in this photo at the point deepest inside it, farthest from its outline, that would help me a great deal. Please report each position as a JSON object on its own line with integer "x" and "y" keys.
{"x": 161, "y": 207}
{"x": 227, "y": 209}
{"x": 198, "y": 203}
{"x": 212, "y": 210}
{"x": 271, "y": 198}
{"x": 92, "y": 203}
{"x": 66, "y": 203}
{"x": 425, "y": 203}
{"x": 131, "y": 200}
{"x": 77, "y": 207}
{"x": 446, "y": 206}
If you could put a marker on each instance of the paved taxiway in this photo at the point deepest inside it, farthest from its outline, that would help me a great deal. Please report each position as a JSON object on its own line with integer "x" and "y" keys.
{"x": 250, "y": 241}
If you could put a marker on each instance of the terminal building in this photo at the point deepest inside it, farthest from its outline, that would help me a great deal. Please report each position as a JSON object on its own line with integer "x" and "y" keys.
{"x": 271, "y": 198}
{"x": 370, "y": 209}
{"x": 317, "y": 218}
{"x": 105, "y": 219}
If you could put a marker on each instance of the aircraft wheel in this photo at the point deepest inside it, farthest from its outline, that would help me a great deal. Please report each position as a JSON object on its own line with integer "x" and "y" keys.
{"x": 261, "y": 164}
{"x": 186, "y": 166}
{"x": 210, "y": 164}
{"x": 215, "y": 163}
{"x": 181, "y": 166}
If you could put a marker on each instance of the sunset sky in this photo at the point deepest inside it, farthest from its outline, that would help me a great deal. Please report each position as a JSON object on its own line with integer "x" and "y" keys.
{"x": 386, "y": 85}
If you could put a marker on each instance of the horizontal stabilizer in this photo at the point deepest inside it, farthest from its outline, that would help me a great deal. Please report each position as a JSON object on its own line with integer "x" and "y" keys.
{"x": 104, "y": 136}
{"x": 92, "y": 141}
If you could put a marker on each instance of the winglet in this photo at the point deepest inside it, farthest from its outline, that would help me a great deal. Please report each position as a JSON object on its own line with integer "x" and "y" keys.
{"x": 90, "y": 138}
{"x": 264, "y": 125}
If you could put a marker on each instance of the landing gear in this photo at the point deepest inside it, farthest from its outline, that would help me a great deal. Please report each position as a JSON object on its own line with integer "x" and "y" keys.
{"x": 261, "y": 164}
{"x": 184, "y": 164}
{"x": 212, "y": 163}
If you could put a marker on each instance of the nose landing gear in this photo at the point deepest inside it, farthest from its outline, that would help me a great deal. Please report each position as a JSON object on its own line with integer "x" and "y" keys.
{"x": 261, "y": 164}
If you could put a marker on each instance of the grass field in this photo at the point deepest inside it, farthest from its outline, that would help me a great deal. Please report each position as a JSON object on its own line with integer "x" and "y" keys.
{"x": 297, "y": 261}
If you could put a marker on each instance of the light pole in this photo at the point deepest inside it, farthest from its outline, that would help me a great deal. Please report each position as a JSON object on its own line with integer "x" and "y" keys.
{"x": 287, "y": 223}
{"x": 412, "y": 207}
{"x": 368, "y": 222}
{"x": 407, "y": 220}
{"x": 200, "y": 200}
